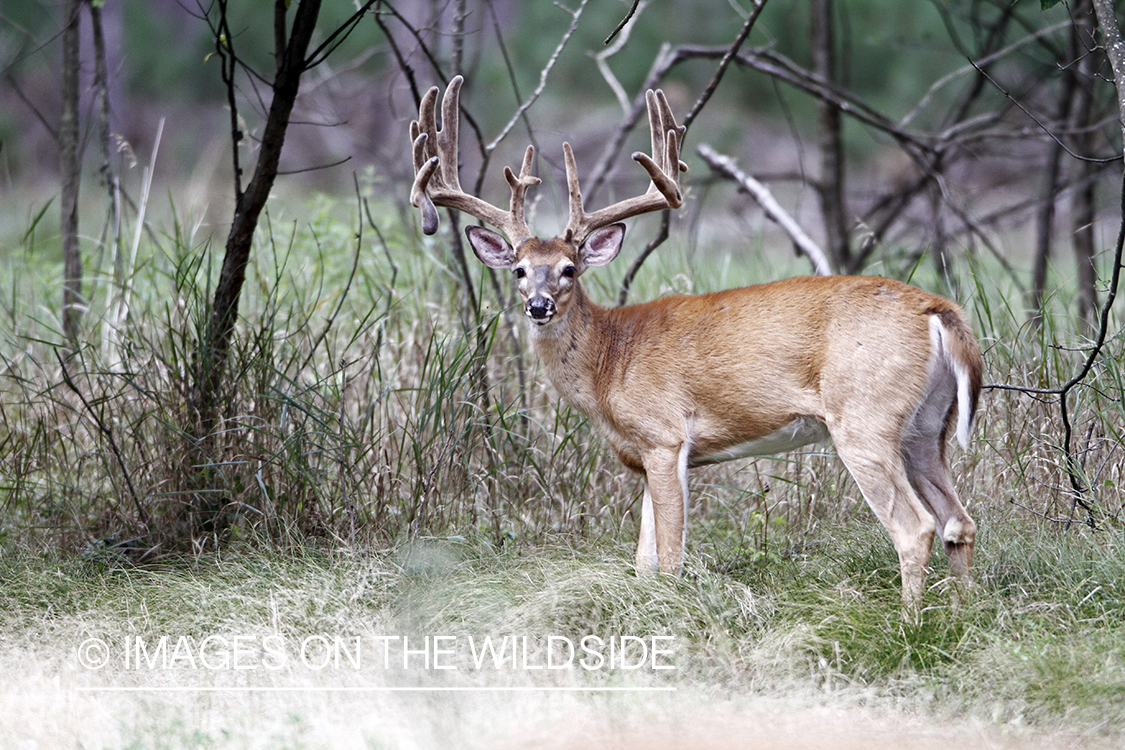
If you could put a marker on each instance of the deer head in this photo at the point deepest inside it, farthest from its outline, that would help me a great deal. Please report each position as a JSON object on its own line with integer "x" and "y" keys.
{"x": 546, "y": 269}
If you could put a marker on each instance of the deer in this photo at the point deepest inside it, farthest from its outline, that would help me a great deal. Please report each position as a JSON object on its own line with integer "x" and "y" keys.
{"x": 884, "y": 370}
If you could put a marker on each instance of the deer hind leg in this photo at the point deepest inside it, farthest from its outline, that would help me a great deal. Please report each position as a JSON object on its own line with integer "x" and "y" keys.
{"x": 877, "y": 467}
{"x": 924, "y": 453}
{"x": 664, "y": 510}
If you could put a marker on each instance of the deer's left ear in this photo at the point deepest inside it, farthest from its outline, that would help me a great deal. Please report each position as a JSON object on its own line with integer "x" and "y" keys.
{"x": 602, "y": 245}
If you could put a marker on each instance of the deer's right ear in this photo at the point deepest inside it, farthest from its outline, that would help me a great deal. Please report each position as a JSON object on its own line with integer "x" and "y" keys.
{"x": 492, "y": 249}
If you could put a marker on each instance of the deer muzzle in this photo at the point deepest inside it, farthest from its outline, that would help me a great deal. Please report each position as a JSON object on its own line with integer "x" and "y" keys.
{"x": 540, "y": 308}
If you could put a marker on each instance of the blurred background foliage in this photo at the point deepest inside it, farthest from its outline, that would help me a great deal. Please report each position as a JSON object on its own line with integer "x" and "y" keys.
{"x": 162, "y": 64}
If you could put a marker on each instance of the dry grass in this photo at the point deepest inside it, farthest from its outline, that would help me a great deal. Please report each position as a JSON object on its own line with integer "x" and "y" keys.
{"x": 803, "y": 654}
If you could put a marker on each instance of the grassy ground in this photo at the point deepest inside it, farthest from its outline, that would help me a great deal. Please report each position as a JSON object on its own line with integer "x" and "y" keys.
{"x": 808, "y": 651}
{"x": 390, "y": 465}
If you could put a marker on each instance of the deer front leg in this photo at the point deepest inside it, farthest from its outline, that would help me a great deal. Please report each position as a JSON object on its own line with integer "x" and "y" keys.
{"x": 647, "y": 559}
{"x": 664, "y": 510}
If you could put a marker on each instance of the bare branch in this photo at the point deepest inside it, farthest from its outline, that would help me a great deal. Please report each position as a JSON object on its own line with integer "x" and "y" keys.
{"x": 728, "y": 57}
{"x": 1050, "y": 133}
{"x": 625, "y": 21}
{"x": 575, "y": 15}
{"x": 976, "y": 65}
{"x": 625, "y": 29}
{"x": 760, "y": 193}
{"x": 655, "y": 242}
{"x": 511, "y": 68}
{"x": 142, "y": 515}
{"x": 338, "y": 35}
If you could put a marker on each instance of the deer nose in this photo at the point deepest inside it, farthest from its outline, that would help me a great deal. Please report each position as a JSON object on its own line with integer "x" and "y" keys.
{"x": 540, "y": 309}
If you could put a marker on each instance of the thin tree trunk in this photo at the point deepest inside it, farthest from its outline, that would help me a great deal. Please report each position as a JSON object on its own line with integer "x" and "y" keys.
{"x": 457, "y": 35}
{"x": 830, "y": 185}
{"x": 939, "y": 244}
{"x": 1082, "y": 219}
{"x": 248, "y": 208}
{"x": 101, "y": 111}
{"x": 111, "y": 234}
{"x": 1045, "y": 217}
{"x": 1044, "y": 226}
{"x": 1083, "y": 208}
{"x": 70, "y": 167}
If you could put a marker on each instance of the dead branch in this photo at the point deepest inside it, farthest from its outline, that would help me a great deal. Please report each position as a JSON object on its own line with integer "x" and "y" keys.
{"x": 725, "y": 166}
{"x": 142, "y": 514}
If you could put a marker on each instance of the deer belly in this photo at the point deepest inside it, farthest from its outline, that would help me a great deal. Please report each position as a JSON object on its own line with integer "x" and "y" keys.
{"x": 801, "y": 431}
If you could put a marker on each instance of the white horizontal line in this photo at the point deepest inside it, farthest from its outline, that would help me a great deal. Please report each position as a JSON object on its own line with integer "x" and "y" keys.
{"x": 283, "y": 689}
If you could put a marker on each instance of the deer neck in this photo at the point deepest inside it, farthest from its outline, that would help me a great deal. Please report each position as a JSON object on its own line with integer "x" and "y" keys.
{"x": 570, "y": 350}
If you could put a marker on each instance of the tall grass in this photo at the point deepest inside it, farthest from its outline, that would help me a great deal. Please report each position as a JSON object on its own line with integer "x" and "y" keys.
{"x": 361, "y": 405}
{"x": 365, "y": 404}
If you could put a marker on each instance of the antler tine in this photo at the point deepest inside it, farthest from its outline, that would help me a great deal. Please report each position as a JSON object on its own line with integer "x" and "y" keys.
{"x": 577, "y": 212}
{"x": 663, "y": 167}
{"x": 447, "y": 137}
{"x": 663, "y": 128}
{"x": 520, "y": 185}
{"x": 423, "y": 137}
{"x": 424, "y": 125}
{"x": 436, "y": 182}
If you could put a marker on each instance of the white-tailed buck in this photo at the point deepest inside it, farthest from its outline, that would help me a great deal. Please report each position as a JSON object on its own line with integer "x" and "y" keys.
{"x": 886, "y": 370}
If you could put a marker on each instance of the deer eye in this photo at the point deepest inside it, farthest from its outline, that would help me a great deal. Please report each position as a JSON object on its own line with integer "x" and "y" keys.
{"x": 519, "y": 272}
{"x": 569, "y": 272}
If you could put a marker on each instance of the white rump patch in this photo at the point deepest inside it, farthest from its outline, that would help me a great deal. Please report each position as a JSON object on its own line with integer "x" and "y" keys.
{"x": 942, "y": 352}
